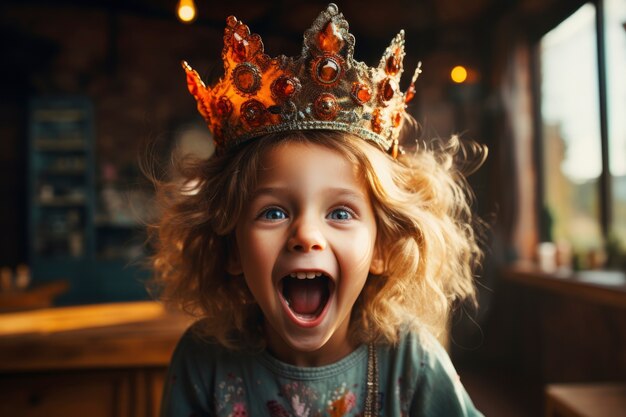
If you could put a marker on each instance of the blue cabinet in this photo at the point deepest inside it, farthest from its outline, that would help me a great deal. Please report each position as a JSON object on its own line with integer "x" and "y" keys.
{"x": 67, "y": 238}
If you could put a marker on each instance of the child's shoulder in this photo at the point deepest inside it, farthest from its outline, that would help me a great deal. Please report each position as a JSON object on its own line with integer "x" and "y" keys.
{"x": 421, "y": 353}
{"x": 424, "y": 373}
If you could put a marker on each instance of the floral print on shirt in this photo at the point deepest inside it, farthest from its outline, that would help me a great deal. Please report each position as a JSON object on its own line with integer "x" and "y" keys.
{"x": 296, "y": 399}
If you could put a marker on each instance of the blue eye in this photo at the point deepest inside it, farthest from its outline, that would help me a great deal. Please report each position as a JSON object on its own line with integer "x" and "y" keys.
{"x": 340, "y": 214}
{"x": 273, "y": 214}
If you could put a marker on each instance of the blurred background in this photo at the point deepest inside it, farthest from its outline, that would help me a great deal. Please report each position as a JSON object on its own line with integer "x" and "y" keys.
{"x": 88, "y": 88}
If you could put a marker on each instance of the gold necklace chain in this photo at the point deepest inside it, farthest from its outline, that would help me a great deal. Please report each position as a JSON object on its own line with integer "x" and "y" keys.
{"x": 371, "y": 399}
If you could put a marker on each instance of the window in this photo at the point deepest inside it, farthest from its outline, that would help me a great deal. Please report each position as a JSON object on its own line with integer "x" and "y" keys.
{"x": 584, "y": 145}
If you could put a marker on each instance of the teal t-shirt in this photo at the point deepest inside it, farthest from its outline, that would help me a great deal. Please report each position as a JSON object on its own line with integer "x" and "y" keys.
{"x": 416, "y": 378}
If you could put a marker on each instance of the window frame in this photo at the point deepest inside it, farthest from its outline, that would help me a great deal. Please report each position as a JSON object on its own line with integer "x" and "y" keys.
{"x": 604, "y": 197}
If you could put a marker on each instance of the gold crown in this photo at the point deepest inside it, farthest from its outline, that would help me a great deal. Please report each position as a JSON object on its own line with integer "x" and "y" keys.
{"x": 323, "y": 88}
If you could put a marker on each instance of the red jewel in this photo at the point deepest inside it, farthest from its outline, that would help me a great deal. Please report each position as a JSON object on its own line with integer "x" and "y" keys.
{"x": 361, "y": 93}
{"x": 253, "y": 113}
{"x": 285, "y": 87}
{"x": 326, "y": 107}
{"x": 224, "y": 107}
{"x": 396, "y": 119}
{"x": 328, "y": 70}
{"x": 410, "y": 93}
{"x": 377, "y": 125}
{"x": 393, "y": 63}
{"x": 330, "y": 39}
{"x": 387, "y": 89}
{"x": 239, "y": 47}
{"x": 246, "y": 78}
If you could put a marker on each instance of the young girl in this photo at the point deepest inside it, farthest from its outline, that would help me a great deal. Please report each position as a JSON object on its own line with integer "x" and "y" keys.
{"x": 318, "y": 254}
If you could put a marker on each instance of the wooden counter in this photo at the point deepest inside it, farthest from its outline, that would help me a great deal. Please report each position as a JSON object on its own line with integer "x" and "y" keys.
{"x": 560, "y": 328}
{"x": 602, "y": 287}
{"x": 98, "y": 360}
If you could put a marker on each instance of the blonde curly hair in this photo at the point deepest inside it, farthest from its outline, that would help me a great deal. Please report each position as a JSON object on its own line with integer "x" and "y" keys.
{"x": 425, "y": 233}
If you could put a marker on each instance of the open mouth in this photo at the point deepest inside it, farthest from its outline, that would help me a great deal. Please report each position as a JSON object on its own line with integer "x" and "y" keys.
{"x": 306, "y": 294}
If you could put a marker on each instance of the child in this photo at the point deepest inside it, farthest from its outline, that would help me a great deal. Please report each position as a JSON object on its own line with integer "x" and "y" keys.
{"x": 318, "y": 254}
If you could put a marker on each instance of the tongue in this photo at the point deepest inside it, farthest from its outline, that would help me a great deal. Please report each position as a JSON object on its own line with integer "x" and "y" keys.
{"x": 304, "y": 295}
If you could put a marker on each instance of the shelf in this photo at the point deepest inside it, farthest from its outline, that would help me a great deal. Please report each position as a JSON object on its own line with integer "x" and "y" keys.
{"x": 59, "y": 115}
{"x": 117, "y": 225}
{"x": 59, "y": 145}
{"x": 73, "y": 172}
{"x": 63, "y": 202}
{"x": 68, "y": 235}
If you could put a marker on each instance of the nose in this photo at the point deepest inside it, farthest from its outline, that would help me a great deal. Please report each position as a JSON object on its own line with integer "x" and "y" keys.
{"x": 306, "y": 236}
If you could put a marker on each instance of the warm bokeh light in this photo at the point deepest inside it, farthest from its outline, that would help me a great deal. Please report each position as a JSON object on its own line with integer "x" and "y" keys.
{"x": 458, "y": 74}
{"x": 186, "y": 11}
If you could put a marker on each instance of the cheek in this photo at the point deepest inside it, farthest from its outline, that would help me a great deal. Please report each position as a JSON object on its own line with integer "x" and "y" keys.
{"x": 359, "y": 250}
{"x": 256, "y": 250}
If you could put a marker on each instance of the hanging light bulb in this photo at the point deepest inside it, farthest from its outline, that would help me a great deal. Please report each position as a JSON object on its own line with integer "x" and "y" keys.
{"x": 458, "y": 74}
{"x": 186, "y": 11}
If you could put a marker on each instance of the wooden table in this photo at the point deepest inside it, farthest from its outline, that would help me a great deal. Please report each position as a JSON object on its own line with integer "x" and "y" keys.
{"x": 586, "y": 400}
{"x": 99, "y": 361}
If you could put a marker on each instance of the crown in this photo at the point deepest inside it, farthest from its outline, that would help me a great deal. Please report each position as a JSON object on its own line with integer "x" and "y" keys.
{"x": 323, "y": 88}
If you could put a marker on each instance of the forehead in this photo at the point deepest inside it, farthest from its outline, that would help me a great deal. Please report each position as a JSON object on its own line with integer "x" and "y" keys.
{"x": 305, "y": 163}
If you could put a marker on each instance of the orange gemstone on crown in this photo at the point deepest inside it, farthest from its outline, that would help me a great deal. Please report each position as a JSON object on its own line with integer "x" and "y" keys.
{"x": 387, "y": 89}
{"x": 254, "y": 113}
{"x": 410, "y": 93}
{"x": 396, "y": 119}
{"x": 326, "y": 107}
{"x": 330, "y": 39}
{"x": 224, "y": 107}
{"x": 361, "y": 93}
{"x": 327, "y": 70}
{"x": 247, "y": 78}
{"x": 393, "y": 63}
{"x": 377, "y": 123}
{"x": 239, "y": 46}
{"x": 284, "y": 87}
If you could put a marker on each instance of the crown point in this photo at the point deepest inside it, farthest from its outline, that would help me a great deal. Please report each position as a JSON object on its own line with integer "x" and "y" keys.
{"x": 329, "y": 39}
{"x": 231, "y": 21}
{"x": 194, "y": 82}
{"x": 332, "y": 8}
{"x": 410, "y": 93}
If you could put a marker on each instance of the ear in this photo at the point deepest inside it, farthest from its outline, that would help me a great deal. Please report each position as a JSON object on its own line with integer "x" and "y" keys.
{"x": 233, "y": 263}
{"x": 377, "y": 266}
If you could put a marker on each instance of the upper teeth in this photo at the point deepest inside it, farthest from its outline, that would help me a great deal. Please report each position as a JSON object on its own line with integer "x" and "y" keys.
{"x": 305, "y": 275}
